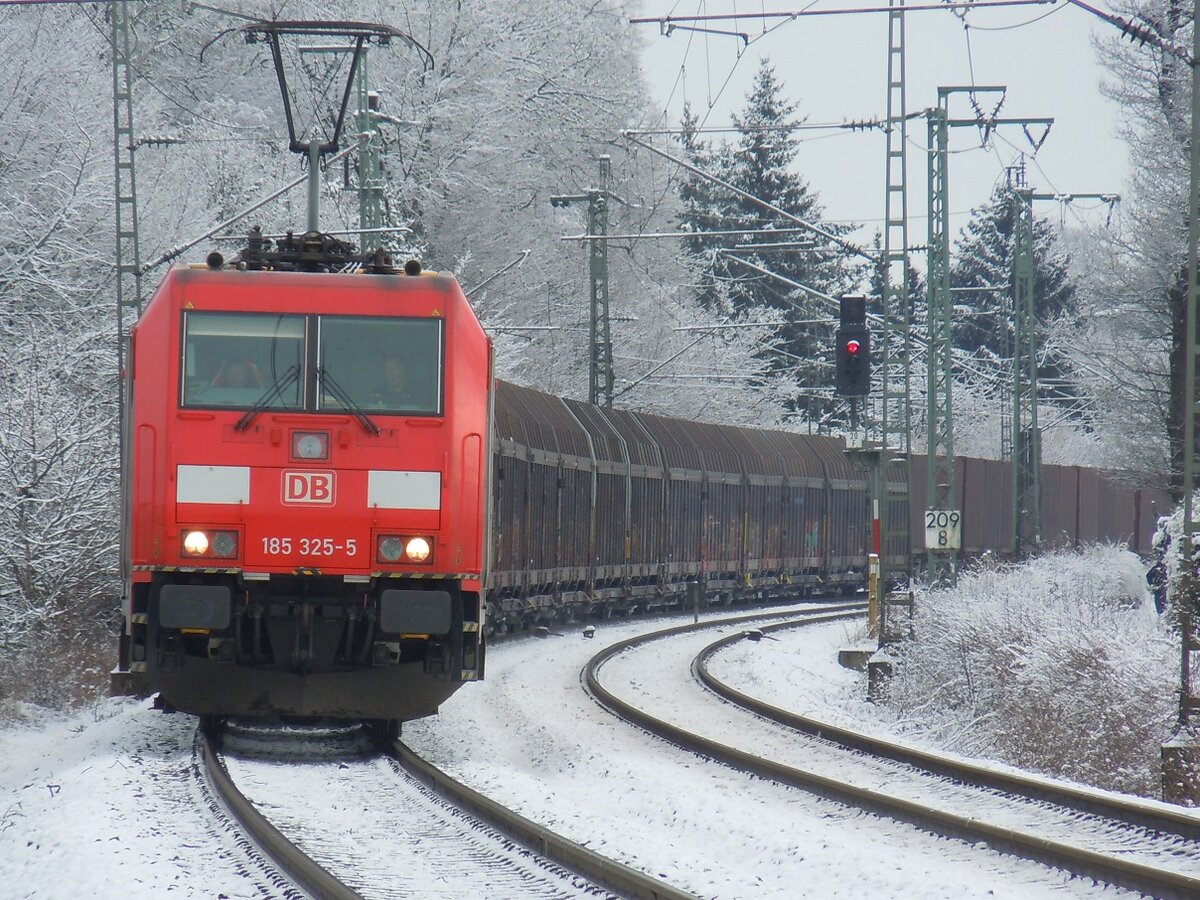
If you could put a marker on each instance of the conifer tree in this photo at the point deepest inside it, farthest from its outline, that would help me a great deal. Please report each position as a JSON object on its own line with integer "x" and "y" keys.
{"x": 762, "y": 162}
{"x": 916, "y": 285}
{"x": 704, "y": 207}
{"x": 983, "y": 261}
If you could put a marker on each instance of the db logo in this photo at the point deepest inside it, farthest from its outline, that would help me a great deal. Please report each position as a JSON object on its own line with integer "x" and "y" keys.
{"x": 308, "y": 487}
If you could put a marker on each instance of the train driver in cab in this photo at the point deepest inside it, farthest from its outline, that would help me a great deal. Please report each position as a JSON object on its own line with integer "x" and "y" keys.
{"x": 396, "y": 391}
{"x": 238, "y": 373}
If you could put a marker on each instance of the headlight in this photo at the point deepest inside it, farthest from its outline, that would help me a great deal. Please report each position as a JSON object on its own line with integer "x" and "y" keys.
{"x": 417, "y": 549}
{"x": 195, "y": 543}
{"x": 224, "y": 543}
{"x": 310, "y": 445}
{"x": 211, "y": 544}
{"x": 390, "y": 549}
{"x": 397, "y": 548}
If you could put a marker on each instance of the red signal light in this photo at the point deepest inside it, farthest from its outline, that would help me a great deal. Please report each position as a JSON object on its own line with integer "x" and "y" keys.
{"x": 852, "y": 347}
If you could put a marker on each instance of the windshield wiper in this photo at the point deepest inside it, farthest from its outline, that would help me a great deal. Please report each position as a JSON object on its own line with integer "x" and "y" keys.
{"x": 275, "y": 390}
{"x": 343, "y": 398}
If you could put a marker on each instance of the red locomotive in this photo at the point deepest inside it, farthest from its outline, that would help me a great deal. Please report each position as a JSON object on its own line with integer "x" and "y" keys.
{"x": 306, "y": 490}
{"x": 309, "y": 497}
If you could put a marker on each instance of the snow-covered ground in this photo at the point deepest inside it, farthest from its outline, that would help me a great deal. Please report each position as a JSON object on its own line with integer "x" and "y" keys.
{"x": 106, "y": 804}
{"x": 383, "y": 833}
{"x": 530, "y": 737}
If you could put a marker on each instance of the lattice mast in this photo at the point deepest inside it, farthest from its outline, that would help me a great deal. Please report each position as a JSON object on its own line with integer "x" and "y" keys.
{"x": 1024, "y": 438}
{"x": 129, "y": 254}
{"x": 896, "y": 339}
{"x": 600, "y": 361}
{"x": 128, "y": 248}
{"x": 941, "y": 490}
{"x": 1025, "y": 441}
{"x": 600, "y": 369}
{"x": 370, "y": 167}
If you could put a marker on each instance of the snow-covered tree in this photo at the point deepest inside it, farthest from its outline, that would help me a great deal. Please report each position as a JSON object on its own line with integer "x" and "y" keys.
{"x": 1136, "y": 288}
{"x": 982, "y": 269}
{"x": 520, "y": 101}
{"x": 703, "y": 206}
{"x": 761, "y": 162}
{"x": 58, "y": 380}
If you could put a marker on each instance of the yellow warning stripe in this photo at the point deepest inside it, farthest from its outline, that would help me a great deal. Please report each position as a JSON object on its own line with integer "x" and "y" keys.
{"x": 424, "y": 575}
{"x": 305, "y": 571}
{"x": 204, "y": 570}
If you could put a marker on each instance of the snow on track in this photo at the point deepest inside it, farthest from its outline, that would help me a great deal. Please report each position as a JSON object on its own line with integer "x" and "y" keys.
{"x": 657, "y": 679}
{"x": 382, "y": 833}
{"x": 114, "y": 808}
{"x": 797, "y": 670}
{"x": 529, "y": 737}
{"x": 107, "y": 804}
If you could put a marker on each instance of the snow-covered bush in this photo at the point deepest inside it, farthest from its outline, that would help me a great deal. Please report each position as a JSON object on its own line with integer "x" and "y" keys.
{"x": 1058, "y": 665}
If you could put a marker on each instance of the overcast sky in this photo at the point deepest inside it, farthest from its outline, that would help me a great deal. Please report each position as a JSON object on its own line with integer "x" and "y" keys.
{"x": 836, "y": 68}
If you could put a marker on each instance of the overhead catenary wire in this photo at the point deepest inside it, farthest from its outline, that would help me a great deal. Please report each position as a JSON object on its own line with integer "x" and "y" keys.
{"x": 682, "y": 78}
{"x": 279, "y": 192}
{"x": 959, "y": 356}
{"x": 1017, "y": 25}
{"x": 758, "y": 201}
{"x": 631, "y": 385}
{"x": 516, "y": 263}
{"x": 852, "y": 125}
{"x": 666, "y": 22}
{"x": 179, "y": 104}
{"x": 788, "y": 127}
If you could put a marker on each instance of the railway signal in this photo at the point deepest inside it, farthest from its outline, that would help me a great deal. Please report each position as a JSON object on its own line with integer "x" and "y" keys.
{"x": 853, "y": 369}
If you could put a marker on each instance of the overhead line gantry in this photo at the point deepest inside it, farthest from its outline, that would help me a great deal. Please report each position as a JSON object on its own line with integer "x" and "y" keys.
{"x": 941, "y": 488}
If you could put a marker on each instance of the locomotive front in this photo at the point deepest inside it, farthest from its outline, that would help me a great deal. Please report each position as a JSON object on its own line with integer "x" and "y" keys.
{"x": 306, "y": 494}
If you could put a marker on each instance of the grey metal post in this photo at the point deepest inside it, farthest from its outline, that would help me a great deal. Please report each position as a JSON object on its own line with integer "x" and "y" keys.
{"x": 1181, "y": 754}
{"x": 941, "y": 489}
{"x": 600, "y": 365}
{"x": 370, "y": 170}
{"x": 314, "y": 183}
{"x": 694, "y": 595}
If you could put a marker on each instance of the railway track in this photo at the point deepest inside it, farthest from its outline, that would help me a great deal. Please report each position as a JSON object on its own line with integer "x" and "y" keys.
{"x": 1133, "y": 844}
{"x": 459, "y": 841}
{"x": 287, "y": 865}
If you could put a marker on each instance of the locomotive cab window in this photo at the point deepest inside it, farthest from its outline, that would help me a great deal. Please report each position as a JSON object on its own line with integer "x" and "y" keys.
{"x": 240, "y": 360}
{"x": 377, "y": 364}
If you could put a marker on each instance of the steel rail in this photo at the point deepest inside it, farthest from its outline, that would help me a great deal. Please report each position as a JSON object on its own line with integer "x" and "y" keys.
{"x": 606, "y": 872}
{"x": 609, "y": 873}
{"x": 304, "y": 872}
{"x": 1137, "y": 876}
{"x": 1130, "y": 811}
